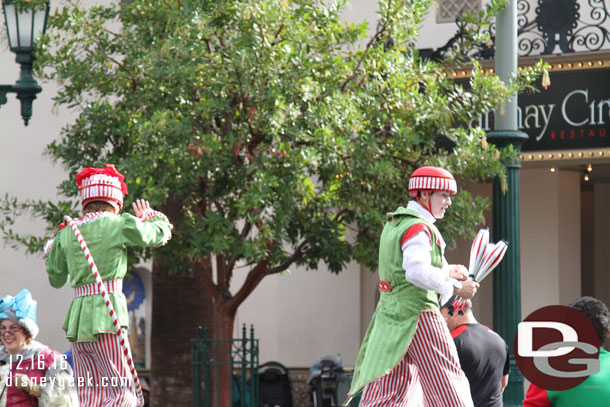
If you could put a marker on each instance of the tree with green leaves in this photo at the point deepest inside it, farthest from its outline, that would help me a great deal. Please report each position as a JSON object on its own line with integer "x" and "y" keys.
{"x": 266, "y": 130}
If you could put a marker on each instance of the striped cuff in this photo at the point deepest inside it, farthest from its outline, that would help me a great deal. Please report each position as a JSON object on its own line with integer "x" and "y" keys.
{"x": 47, "y": 247}
{"x": 151, "y": 213}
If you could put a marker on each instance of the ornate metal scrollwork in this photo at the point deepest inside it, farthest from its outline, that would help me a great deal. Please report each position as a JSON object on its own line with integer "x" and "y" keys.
{"x": 530, "y": 41}
{"x": 554, "y": 26}
{"x": 594, "y": 35}
{"x": 454, "y": 48}
{"x": 556, "y": 19}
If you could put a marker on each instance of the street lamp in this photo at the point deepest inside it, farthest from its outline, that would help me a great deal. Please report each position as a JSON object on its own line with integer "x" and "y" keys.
{"x": 26, "y": 20}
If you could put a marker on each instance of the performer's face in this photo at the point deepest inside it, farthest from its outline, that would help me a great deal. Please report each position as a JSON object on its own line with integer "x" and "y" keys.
{"x": 14, "y": 337}
{"x": 439, "y": 202}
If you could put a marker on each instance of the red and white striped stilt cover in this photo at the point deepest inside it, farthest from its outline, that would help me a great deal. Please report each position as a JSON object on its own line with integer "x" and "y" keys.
{"x": 102, "y": 288}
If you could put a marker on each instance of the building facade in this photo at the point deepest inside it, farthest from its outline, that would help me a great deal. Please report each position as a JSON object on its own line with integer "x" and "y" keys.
{"x": 298, "y": 317}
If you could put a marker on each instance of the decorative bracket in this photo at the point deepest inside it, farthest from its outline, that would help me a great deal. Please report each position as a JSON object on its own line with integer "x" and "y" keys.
{"x": 4, "y": 89}
{"x": 26, "y": 87}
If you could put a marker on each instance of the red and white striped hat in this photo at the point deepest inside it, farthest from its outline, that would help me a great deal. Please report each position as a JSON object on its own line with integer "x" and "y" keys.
{"x": 431, "y": 179}
{"x": 102, "y": 184}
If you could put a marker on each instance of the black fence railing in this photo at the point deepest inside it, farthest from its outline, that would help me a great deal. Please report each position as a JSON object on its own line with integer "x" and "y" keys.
{"x": 222, "y": 366}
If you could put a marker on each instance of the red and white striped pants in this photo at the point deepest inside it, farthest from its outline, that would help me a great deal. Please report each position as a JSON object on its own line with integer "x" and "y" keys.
{"x": 102, "y": 375}
{"x": 429, "y": 375}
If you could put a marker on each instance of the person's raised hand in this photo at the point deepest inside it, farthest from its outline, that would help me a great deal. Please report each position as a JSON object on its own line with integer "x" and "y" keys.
{"x": 140, "y": 206}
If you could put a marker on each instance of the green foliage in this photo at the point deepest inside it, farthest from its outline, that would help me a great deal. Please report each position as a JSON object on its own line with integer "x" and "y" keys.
{"x": 270, "y": 131}
{"x": 52, "y": 213}
{"x": 27, "y": 4}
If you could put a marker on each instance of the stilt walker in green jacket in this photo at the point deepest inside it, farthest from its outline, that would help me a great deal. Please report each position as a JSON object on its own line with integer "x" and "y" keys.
{"x": 407, "y": 357}
{"x": 102, "y": 362}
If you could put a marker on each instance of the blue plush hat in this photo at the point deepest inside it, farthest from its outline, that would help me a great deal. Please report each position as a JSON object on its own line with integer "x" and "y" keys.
{"x": 20, "y": 309}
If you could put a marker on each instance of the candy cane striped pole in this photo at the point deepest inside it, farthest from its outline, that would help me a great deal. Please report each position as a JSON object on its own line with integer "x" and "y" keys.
{"x": 102, "y": 287}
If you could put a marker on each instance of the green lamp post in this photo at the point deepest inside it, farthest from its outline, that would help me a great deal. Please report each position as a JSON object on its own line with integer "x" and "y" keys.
{"x": 507, "y": 279}
{"x": 25, "y": 22}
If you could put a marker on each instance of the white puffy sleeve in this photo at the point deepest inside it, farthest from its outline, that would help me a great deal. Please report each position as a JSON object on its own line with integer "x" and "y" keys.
{"x": 59, "y": 389}
{"x": 417, "y": 263}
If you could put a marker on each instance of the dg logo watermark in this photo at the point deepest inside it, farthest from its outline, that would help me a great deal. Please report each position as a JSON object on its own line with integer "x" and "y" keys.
{"x": 556, "y": 348}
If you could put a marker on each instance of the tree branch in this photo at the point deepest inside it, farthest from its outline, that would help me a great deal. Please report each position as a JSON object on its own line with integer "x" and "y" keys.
{"x": 380, "y": 30}
{"x": 207, "y": 278}
{"x": 256, "y": 139}
{"x": 219, "y": 208}
{"x": 134, "y": 82}
{"x": 223, "y": 276}
{"x": 228, "y": 120}
{"x": 244, "y": 232}
{"x": 202, "y": 203}
{"x": 254, "y": 277}
{"x": 275, "y": 41}
{"x": 412, "y": 164}
{"x": 252, "y": 280}
{"x": 297, "y": 255}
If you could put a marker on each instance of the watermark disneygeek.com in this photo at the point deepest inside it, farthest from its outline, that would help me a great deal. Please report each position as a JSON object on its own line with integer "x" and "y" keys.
{"x": 18, "y": 365}
{"x": 76, "y": 381}
{"x": 556, "y": 348}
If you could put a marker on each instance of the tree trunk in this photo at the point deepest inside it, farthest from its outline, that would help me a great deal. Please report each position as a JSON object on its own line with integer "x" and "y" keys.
{"x": 222, "y": 376}
{"x": 180, "y": 303}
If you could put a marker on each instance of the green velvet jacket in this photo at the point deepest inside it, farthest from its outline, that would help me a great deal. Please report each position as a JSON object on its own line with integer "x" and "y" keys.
{"x": 107, "y": 237}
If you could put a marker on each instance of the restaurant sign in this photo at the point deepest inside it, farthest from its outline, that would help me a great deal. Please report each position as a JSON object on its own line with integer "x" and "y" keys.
{"x": 573, "y": 113}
